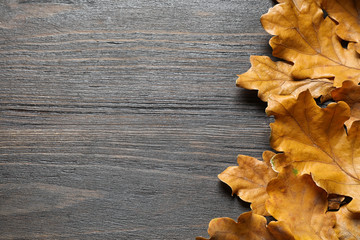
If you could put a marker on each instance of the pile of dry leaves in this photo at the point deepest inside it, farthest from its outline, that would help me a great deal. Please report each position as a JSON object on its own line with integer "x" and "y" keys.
{"x": 312, "y": 187}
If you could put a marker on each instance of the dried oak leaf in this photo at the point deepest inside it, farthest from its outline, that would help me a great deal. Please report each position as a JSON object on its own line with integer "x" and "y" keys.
{"x": 349, "y": 93}
{"x": 299, "y": 206}
{"x": 249, "y": 180}
{"x": 335, "y": 201}
{"x": 315, "y": 141}
{"x": 275, "y": 78}
{"x": 346, "y": 14}
{"x": 308, "y": 40}
{"x": 250, "y": 226}
{"x": 347, "y": 225}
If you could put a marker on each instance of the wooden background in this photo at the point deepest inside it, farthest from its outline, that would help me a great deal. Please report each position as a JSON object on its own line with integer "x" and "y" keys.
{"x": 117, "y": 116}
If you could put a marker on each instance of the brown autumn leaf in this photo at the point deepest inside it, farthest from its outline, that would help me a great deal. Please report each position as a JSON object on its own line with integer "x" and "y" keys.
{"x": 315, "y": 141}
{"x": 308, "y": 40}
{"x": 249, "y": 180}
{"x": 335, "y": 201}
{"x": 349, "y": 93}
{"x": 250, "y": 226}
{"x": 346, "y": 14}
{"x": 299, "y": 206}
{"x": 347, "y": 225}
{"x": 275, "y": 78}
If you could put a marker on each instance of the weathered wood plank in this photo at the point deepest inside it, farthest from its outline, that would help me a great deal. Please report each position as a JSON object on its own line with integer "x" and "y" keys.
{"x": 117, "y": 116}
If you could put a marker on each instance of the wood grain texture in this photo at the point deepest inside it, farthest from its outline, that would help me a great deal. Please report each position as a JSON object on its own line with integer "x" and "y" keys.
{"x": 117, "y": 116}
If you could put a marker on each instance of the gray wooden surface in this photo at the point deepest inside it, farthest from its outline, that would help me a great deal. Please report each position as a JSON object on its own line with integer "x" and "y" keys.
{"x": 117, "y": 116}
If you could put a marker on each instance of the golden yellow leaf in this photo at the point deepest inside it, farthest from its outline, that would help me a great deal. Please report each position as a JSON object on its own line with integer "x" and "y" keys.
{"x": 250, "y": 226}
{"x": 349, "y": 93}
{"x": 275, "y": 78}
{"x": 300, "y": 206}
{"x": 347, "y": 225}
{"x": 280, "y": 230}
{"x": 346, "y": 14}
{"x": 249, "y": 180}
{"x": 308, "y": 40}
{"x": 315, "y": 141}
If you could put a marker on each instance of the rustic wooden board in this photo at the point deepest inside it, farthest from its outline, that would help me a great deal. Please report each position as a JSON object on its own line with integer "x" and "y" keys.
{"x": 117, "y": 116}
